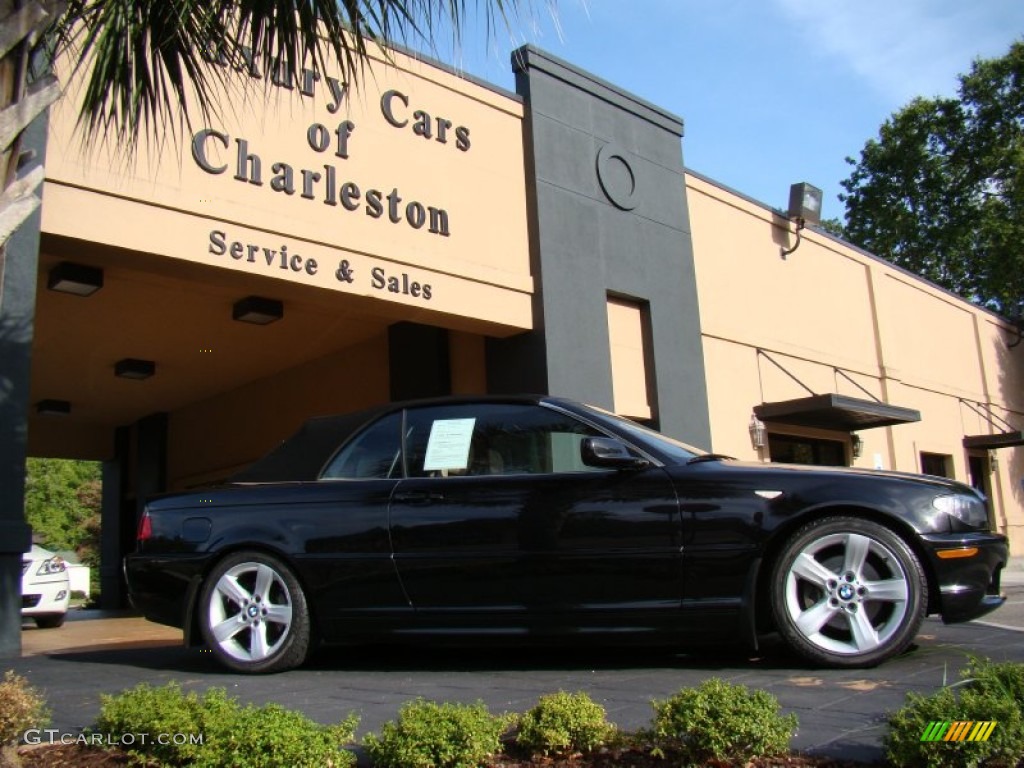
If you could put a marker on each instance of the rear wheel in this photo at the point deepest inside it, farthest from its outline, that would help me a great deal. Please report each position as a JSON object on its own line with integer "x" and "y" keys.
{"x": 848, "y": 592}
{"x": 253, "y": 614}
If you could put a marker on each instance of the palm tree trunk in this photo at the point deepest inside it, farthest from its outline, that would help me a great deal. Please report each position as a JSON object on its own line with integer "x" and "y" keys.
{"x": 22, "y": 100}
{"x": 21, "y": 24}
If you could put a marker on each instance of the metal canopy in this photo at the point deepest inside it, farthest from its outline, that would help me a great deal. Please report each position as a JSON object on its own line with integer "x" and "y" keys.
{"x": 998, "y": 440}
{"x": 837, "y": 412}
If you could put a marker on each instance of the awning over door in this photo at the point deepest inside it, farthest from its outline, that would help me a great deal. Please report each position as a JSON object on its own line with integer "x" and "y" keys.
{"x": 997, "y": 440}
{"x": 836, "y": 412}
{"x": 1004, "y": 436}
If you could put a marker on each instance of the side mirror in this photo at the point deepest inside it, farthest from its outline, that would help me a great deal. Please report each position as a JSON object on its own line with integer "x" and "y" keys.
{"x": 609, "y": 453}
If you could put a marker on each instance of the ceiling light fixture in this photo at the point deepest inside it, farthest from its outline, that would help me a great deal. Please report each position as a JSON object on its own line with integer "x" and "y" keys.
{"x": 53, "y": 408}
{"x": 257, "y": 310}
{"x": 76, "y": 279}
{"x": 131, "y": 368}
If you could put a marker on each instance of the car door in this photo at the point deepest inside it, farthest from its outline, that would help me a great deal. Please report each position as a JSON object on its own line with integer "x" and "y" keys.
{"x": 500, "y": 527}
{"x": 346, "y": 558}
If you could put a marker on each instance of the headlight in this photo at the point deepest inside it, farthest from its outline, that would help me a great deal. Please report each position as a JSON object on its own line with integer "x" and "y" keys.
{"x": 963, "y": 511}
{"x": 50, "y": 566}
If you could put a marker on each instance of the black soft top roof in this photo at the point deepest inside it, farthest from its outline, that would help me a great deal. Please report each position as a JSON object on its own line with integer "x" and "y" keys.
{"x": 302, "y": 456}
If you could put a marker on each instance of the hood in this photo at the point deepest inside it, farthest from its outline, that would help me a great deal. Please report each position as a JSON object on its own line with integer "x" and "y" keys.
{"x": 939, "y": 484}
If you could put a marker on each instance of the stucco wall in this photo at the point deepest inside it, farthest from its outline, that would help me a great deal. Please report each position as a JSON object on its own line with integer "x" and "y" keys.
{"x": 212, "y": 438}
{"x": 830, "y": 315}
{"x": 415, "y": 174}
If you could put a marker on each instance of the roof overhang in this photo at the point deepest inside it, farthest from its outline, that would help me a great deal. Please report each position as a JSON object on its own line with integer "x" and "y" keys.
{"x": 836, "y": 412}
{"x": 998, "y": 440}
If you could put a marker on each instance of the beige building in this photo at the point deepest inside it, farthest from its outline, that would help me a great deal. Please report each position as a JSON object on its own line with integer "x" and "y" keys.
{"x": 320, "y": 249}
{"x": 345, "y": 212}
{"x": 831, "y": 319}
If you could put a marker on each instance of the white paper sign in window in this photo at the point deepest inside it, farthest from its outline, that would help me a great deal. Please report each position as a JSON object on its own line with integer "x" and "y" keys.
{"x": 448, "y": 446}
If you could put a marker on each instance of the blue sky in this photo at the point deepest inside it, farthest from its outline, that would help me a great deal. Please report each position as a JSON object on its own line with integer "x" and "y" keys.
{"x": 772, "y": 91}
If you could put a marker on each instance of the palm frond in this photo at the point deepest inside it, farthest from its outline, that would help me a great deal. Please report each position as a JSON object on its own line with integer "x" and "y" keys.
{"x": 142, "y": 58}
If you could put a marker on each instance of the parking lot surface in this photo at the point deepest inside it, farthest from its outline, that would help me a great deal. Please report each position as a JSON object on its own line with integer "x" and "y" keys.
{"x": 842, "y": 713}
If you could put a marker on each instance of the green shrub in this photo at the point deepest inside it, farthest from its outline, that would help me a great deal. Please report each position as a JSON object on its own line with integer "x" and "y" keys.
{"x": 175, "y": 728}
{"x": 272, "y": 736}
{"x": 1004, "y": 679}
{"x": 21, "y": 707}
{"x": 989, "y": 692}
{"x": 146, "y": 712}
{"x": 722, "y": 722}
{"x": 563, "y": 723}
{"x": 431, "y": 735}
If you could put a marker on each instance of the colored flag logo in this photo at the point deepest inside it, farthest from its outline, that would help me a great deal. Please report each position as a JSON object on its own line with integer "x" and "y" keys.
{"x": 958, "y": 730}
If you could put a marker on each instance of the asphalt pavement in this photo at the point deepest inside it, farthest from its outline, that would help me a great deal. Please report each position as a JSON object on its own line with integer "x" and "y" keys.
{"x": 842, "y": 713}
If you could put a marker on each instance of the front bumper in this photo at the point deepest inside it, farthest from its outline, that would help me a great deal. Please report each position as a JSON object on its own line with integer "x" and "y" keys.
{"x": 45, "y": 597}
{"x": 967, "y": 567}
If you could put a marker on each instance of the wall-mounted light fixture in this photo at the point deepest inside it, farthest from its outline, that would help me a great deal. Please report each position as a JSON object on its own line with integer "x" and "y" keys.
{"x": 257, "y": 310}
{"x": 993, "y": 461}
{"x": 131, "y": 368}
{"x": 76, "y": 279}
{"x": 1018, "y": 326}
{"x": 856, "y": 446}
{"x": 804, "y": 209}
{"x": 53, "y": 408}
{"x": 758, "y": 433}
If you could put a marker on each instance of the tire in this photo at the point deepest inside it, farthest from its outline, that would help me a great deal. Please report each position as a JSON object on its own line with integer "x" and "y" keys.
{"x": 50, "y": 621}
{"x": 847, "y": 592}
{"x": 253, "y": 614}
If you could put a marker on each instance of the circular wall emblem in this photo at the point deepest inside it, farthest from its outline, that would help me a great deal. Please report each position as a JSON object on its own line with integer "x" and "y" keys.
{"x": 616, "y": 176}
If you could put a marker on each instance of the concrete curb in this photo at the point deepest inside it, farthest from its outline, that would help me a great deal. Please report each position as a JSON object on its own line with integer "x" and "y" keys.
{"x": 1013, "y": 573}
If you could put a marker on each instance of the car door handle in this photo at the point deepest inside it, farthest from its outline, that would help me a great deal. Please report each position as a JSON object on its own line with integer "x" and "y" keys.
{"x": 418, "y": 497}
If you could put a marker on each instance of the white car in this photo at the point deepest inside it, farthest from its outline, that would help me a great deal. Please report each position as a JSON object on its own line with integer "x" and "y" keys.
{"x": 45, "y": 589}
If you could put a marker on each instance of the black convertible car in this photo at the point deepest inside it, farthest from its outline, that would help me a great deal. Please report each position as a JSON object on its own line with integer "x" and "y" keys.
{"x": 537, "y": 518}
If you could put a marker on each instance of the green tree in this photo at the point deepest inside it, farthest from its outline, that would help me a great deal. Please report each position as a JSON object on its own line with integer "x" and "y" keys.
{"x": 833, "y": 227}
{"x": 940, "y": 191}
{"x": 141, "y": 57}
{"x": 62, "y": 504}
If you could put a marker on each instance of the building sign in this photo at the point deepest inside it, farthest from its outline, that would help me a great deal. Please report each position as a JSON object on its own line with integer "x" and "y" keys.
{"x": 264, "y": 257}
{"x": 322, "y": 183}
{"x": 408, "y": 188}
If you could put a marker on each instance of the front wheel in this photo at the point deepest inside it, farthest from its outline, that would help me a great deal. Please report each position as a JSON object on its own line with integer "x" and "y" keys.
{"x": 253, "y": 614}
{"x": 50, "y": 620}
{"x": 847, "y": 592}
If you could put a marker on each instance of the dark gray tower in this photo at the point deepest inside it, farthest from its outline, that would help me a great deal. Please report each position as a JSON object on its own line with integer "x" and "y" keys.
{"x": 608, "y": 218}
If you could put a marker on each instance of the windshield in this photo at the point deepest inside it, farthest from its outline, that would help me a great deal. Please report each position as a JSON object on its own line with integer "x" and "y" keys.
{"x": 672, "y": 448}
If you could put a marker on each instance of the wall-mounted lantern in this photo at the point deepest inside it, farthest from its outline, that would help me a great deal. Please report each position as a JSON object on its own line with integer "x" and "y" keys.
{"x": 856, "y": 446}
{"x": 758, "y": 433}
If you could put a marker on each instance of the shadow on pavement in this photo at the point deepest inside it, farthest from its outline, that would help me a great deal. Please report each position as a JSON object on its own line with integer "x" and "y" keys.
{"x": 172, "y": 655}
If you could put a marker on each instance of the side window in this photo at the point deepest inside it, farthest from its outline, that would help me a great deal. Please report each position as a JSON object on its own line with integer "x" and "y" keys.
{"x": 493, "y": 439}
{"x": 373, "y": 453}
